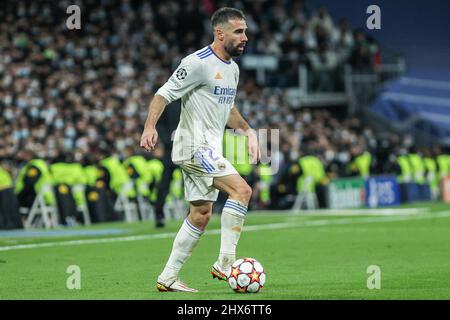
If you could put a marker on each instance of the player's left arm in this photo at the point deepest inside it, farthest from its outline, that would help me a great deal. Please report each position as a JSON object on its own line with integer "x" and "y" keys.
{"x": 236, "y": 121}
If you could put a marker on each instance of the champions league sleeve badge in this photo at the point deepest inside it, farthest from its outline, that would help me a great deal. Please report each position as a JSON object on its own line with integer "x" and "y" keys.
{"x": 181, "y": 74}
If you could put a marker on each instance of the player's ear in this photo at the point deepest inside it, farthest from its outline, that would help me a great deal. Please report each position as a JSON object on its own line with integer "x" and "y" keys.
{"x": 219, "y": 33}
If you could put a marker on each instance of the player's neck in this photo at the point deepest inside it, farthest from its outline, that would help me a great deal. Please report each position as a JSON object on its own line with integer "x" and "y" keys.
{"x": 220, "y": 52}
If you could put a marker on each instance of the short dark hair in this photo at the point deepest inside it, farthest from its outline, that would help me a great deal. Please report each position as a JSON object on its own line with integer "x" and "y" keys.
{"x": 222, "y": 15}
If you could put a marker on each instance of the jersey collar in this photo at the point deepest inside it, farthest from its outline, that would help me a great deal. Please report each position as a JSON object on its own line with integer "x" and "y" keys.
{"x": 227, "y": 62}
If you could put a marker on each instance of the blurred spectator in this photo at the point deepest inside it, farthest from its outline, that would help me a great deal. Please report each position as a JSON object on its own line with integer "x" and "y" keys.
{"x": 361, "y": 59}
{"x": 323, "y": 64}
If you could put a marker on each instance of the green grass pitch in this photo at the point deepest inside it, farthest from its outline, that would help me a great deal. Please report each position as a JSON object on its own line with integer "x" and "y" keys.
{"x": 305, "y": 257}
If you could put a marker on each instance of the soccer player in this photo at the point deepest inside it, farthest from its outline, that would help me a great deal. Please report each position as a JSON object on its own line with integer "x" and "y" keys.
{"x": 206, "y": 81}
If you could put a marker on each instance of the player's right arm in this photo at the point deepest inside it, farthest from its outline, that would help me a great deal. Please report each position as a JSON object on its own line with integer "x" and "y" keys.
{"x": 150, "y": 135}
{"x": 185, "y": 78}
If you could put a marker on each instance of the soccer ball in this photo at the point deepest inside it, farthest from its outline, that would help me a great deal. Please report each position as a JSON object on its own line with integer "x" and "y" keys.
{"x": 247, "y": 276}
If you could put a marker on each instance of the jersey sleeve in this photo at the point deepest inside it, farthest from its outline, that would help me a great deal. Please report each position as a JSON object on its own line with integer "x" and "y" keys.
{"x": 185, "y": 78}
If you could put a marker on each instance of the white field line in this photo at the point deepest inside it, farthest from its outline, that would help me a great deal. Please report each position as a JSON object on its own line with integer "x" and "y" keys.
{"x": 351, "y": 212}
{"x": 271, "y": 226}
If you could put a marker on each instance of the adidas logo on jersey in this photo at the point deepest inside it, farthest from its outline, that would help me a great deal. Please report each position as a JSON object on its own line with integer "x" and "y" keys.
{"x": 218, "y": 76}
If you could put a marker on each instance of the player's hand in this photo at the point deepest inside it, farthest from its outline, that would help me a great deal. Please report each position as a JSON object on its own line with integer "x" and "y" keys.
{"x": 149, "y": 138}
{"x": 253, "y": 146}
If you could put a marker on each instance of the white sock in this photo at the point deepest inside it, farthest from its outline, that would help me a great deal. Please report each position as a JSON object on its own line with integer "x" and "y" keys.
{"x": 183, "y": 245}
{"x": 232, "y": 220}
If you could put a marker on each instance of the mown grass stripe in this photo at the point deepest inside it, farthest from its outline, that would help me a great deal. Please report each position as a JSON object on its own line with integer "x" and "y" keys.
{"x": 270, "y": 226}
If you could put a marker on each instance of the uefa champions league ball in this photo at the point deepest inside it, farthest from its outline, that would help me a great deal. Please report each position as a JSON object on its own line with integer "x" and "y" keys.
{"x": 247, "y": 276}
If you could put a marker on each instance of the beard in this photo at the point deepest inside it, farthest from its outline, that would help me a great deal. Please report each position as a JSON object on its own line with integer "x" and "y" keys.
{"x": 233, "y": 51}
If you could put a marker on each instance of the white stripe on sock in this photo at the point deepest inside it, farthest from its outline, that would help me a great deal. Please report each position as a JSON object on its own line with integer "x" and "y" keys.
{"x": 192, "y": 227}
{"x": 236, "y": 207}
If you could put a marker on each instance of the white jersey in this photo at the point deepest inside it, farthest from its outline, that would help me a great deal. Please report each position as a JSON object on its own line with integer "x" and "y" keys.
{"x": 207, "y": 87}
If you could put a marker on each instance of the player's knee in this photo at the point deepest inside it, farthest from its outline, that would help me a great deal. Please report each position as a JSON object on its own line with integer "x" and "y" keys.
{"x": 205, "y": 219}
{"x": 247, "y": 192}
{"x": 244, "y": 193}
{"x": 200, "y": 220}
{"x": 200, "y": 216}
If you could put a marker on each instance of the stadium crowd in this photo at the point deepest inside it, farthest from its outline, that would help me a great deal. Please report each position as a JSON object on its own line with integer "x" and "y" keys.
{"x": 84, "y": 93}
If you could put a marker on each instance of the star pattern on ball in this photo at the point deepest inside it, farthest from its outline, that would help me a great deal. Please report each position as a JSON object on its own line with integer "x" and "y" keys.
{"x": 241, "y": 289}
{"x": 254, "y": 276}
{"x": 235, "y": 273}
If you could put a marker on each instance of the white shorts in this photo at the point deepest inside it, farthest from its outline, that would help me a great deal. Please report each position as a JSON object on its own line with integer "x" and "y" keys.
{"x": 199, "y": 172}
